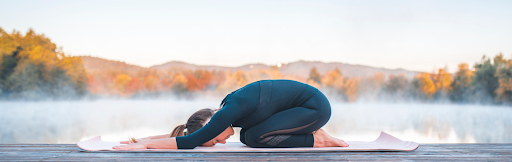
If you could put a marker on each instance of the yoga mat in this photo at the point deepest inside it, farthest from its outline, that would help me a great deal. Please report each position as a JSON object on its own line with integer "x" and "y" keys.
{"x": 384, "y": 142}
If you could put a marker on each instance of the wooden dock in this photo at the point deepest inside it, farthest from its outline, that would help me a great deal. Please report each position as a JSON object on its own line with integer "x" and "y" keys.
{"x": 426, "y": 152}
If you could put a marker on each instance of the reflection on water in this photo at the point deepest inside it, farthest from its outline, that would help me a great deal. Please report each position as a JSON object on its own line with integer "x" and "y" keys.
{"x": 72, "y": 121}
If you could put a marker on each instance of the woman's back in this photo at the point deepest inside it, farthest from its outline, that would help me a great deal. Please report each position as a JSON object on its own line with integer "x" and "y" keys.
{"x": 261, "y": 99}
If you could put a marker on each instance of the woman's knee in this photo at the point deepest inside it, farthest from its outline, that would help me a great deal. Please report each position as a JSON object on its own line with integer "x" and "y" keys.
{"x": 319, "y": 103}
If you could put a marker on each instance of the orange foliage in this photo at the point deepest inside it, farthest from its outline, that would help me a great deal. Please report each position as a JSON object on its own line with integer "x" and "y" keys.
{"x": 151, "y": 83}
{"x": 133, "y": 86}
{"x": 191, "y": 83}
{"x": 203, "y": 79}
{"x": 443, "y": 81}
{"x": 351, "y": 89}
{"x": 179, "y": 82}
{"x": 426, "y": 85}
{"x": 120, "y": 83}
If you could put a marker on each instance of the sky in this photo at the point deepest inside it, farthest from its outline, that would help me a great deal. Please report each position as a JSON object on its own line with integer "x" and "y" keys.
{"x": 413, "y": 35}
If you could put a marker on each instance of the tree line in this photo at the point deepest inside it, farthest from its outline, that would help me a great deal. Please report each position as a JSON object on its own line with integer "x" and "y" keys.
{"x": 32, "y": 67}
{"x": 488, "y": 82}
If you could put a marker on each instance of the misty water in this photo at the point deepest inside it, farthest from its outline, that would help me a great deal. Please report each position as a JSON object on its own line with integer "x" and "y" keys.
{"x": 115, "y": 120}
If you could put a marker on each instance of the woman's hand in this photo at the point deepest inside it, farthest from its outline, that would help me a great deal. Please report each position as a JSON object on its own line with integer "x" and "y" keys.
{"x": 138, "y": 141}
{"x": 125, "y": 142}
{"x": 133, "y": 146}
{"x": 164, "y": 143}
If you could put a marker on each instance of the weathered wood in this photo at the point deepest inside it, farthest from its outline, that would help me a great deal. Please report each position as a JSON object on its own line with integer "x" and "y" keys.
{"x": 426, "y": 152}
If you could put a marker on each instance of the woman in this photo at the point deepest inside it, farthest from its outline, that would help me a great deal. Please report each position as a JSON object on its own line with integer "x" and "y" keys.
{"x": 271, "y": 113}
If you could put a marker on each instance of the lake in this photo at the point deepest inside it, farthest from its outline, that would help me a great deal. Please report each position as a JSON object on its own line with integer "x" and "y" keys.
{"x": 115, "y": 120}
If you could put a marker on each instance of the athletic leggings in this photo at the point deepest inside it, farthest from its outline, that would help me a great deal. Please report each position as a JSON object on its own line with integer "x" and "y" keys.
{"x": 290, "y": 128}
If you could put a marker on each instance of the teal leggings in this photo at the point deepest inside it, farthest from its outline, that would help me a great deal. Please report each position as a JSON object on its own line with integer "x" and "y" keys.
{"x": 290, "y": 128}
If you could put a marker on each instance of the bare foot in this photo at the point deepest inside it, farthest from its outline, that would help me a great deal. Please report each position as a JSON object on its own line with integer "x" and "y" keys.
{"x": 322, "y": 139}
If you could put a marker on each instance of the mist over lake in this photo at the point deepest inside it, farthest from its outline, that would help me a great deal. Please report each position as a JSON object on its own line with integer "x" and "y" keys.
{"x": 115, "y": 120}
{"x": 50, "y": 96}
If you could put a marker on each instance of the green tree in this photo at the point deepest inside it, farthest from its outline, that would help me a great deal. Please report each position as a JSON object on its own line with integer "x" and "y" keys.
{"x": 396, "y": 84}
{"x": 461, "y": 85}
{"x": 396, "y": 88}
{"x": 485, "y": 82}
{"x": 504, "y": 75}
{"x": 371, "y": 86}
{"x": 315, "y": 76}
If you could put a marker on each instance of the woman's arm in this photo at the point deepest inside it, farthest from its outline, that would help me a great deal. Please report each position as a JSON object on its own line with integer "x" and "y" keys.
{"x": 148, "y": 138}
{"x": 158, "y": 136}
{"x": 221, "y": 120}
{"x": 163, "y": 143}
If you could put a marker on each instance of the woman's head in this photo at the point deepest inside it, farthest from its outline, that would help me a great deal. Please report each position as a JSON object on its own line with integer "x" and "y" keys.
{"x": 194, "y": 122}
{"x": 197, "y": 121}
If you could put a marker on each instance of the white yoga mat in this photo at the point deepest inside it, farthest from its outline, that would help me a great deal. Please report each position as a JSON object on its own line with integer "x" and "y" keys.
{"x": 384, "y": 142}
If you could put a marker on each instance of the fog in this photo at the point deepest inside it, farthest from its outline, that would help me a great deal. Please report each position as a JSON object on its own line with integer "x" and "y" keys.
{"x": 115, "y": 120}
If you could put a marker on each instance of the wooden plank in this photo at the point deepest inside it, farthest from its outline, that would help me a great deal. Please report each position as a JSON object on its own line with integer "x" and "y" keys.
{"x": 426, "y": 152}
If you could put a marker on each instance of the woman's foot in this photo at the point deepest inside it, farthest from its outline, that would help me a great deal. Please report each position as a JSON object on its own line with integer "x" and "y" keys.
{"x": 322, "y": 139}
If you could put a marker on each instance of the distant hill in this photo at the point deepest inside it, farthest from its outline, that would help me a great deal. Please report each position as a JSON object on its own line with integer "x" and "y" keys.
{"x": 299, "y": 68}
{"x": 182, "y": 65}
{"x": 302, "y": 68}
{"x": 95, "y": 64}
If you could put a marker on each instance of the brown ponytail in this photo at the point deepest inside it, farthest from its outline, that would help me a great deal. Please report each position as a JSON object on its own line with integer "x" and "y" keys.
{"x": 194, "y": 122}
{"x": 178, "y": 131}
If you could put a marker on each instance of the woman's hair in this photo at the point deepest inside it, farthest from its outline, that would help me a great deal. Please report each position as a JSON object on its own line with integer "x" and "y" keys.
{"x": 194, "y": 123}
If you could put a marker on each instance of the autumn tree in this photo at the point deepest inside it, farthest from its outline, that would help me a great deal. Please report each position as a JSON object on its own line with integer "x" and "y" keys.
{"x": 179, "y": 83}
{"x": 192, "y": 83}
{"x": 333, "y": 83}
{"x": 442, "y": 81}
{"x": 425, "y": 87}
{"x": 134, "y": 86}
{"x": 33, "y": 68}
{"x": 333, "y": 79}
{"x": 120, "y": 83}
{"x": 151, "y": 83}
{"x": 218, "y": 77}
{"x": 74, "y": 70}
{"x": 204, "y": 79}
{"x": 240, "y": 78}
{"x": 350, "y": 89}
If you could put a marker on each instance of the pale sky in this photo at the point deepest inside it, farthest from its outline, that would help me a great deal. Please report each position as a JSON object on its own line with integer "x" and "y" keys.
{"x": 410, "y": 34}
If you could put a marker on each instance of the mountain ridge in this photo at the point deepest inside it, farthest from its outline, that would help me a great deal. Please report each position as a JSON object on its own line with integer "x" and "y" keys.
{"x": 298, "y": 68}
